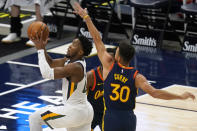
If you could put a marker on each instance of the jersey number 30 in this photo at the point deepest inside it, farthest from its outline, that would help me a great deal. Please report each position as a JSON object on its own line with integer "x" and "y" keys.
{"x": 118, "y": 95}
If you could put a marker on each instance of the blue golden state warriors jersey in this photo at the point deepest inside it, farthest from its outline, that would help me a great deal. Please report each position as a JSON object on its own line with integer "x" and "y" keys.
{"x": 120, "y": 91}
{"x": 95, "y": 93}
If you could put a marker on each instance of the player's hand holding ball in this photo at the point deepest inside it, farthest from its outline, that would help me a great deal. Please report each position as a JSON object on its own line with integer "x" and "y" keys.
{"x": 38, "y": 32}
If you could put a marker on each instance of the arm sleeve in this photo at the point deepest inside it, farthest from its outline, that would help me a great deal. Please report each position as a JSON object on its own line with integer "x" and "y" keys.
{"x": 46, "y": 71}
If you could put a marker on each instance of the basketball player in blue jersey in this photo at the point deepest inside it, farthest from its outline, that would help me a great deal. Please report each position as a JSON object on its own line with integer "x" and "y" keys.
{"x": 76, "y": 114}
{"x": 95, "y": 95}
{"x": 95, "y": 92}
{"x": 121, "y": 82}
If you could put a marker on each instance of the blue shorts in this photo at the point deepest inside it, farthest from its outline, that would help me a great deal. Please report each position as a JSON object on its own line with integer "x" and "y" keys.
{"x": 115, "y": 120}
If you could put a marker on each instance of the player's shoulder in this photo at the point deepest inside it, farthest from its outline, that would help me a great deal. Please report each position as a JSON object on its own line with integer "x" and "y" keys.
{"x": 140, "y": 77}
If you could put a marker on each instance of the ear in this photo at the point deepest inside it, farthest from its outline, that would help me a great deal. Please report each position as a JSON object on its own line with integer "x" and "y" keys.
{"x": 119, "y": 58}
{"x": 81, "y": 52}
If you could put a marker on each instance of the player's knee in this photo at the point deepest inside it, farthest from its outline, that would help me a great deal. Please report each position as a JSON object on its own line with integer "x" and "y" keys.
{"x": 33, "y": 117}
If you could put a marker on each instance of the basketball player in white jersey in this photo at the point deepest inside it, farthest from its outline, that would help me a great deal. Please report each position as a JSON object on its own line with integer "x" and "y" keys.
{"x": 76, "y": 114}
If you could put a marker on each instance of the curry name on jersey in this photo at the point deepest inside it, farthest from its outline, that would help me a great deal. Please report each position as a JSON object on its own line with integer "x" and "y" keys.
{"x": 120, "y": 91}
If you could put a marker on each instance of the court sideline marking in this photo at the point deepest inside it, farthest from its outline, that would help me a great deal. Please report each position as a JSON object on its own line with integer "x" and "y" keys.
{"x": 23, "y": 87}
{"x": 166, "y": 106}
{"x": 14, "y": 84}
{"x": 21, "y": 63}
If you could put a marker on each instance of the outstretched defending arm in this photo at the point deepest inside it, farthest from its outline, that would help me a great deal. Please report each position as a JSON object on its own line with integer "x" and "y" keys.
{"x": 142, "y": 83}
{"x": 105, "y": 58}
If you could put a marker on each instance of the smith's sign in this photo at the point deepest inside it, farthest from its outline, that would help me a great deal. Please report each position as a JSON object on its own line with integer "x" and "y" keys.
{"x": 146, "y": 38}
{"x": 148, "y": 41}
{"x": 190, "y": 44}
{"x": 86, "y": 33}
{"x": 188, "y": 47}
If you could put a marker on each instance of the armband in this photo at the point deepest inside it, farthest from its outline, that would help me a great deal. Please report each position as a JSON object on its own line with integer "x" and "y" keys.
{"x": 46, "y": 71}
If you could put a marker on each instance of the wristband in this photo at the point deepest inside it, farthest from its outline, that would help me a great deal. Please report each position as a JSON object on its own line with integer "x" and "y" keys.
{"x": 85, "y": 17}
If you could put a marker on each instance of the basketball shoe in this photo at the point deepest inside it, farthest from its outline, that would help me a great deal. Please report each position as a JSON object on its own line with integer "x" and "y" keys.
{"x": 11, "y": 38}
{"x": 30, "y": 43}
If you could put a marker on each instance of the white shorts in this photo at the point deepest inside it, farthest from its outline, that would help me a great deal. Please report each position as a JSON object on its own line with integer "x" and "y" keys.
{"x": 73, "y": 118}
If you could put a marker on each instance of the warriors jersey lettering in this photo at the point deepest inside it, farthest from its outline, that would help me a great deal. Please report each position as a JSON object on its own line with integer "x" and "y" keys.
{"x": 75, "y": 93}
{"x": 120, "y": 90}
{"x": 95, "y": 93}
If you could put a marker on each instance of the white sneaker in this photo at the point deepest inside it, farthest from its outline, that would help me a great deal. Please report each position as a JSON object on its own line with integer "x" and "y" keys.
{"x": 12, "y": 37}
{"x": 2, "y": 2}
{"x": 30, "y": 43}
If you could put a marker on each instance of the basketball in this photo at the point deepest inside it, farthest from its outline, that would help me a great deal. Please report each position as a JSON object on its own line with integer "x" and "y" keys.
{"x": 38, "y": 29}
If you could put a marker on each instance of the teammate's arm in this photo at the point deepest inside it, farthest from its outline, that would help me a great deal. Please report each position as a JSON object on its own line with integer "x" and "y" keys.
{"x": 141, "y": 82}
{"x": 90, "y": 79}
{"x": 105, "y": 58}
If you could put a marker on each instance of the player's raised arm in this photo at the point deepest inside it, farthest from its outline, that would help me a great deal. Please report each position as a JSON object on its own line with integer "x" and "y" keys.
{"x": 104, "y": 57}
{"x": 53, "y": 69}
{"x": 40, "y": 44}
{"x": 141, "y": 82}
{"x": 54, "y": 62}
{"x": 90, "y": 79}
{"x": 56, "y": 72}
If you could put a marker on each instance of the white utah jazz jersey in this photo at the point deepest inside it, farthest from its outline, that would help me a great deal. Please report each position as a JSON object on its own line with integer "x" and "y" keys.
{"x": 75, "y": 93}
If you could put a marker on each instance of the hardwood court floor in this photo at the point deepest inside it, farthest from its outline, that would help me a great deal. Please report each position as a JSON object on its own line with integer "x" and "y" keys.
{"x": 163, "y": 115}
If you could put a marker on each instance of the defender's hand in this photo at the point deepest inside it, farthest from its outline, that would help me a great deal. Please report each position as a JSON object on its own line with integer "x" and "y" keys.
{"x": 80, "y": 11}
{"x": 187, "y": 95}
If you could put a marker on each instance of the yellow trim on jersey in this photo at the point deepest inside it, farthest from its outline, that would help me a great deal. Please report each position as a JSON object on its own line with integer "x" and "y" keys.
{"x": 103, "y": 114}
{"x": 49, "y": 115}
{"x": 72, "y": 88}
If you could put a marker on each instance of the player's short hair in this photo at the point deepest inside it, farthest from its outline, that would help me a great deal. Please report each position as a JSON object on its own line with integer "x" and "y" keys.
{"x": 86, "y": 45}
{"x": 126, "y": 51}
